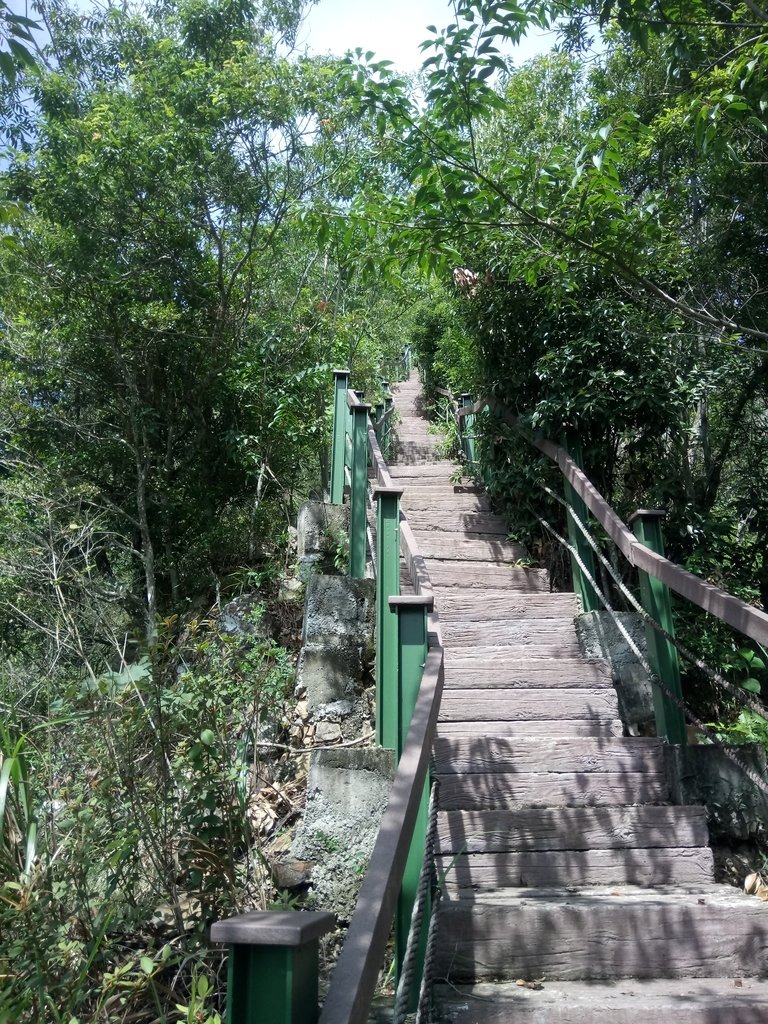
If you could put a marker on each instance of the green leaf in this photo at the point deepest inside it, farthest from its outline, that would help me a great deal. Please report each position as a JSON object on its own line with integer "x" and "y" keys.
{"x": 208, "y": 737}
{"x": 752, "y": 685}
{"x": 147, "y": 965}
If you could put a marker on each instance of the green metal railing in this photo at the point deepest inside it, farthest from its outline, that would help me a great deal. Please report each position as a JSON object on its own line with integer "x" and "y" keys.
{"x": 273, "y": 956}
{"x": 644, "y": 551}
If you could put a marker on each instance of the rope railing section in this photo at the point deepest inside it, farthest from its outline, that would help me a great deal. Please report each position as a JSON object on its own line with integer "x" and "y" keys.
{"x": 741, "y": 695}
{"x": 273, "y": 965}
{"x": 424, "y": 907}
{"x": 644, "y": 550}
{"x": 656, "y": 680}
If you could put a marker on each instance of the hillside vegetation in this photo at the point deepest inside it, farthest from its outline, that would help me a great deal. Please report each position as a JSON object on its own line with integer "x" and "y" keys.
{"x": 197, "y": 224}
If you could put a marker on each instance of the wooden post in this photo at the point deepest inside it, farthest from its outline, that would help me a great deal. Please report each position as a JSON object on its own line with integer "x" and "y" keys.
{"x": 467, "y": 432}
{"x": 387, "y": 585}
{"x": 411, "y": 611}
{"x": 654, "y": 595}
{"x": 590, "y": 602}
{"x": 359, "y": 495}
{"x": 339, "y": 441}
{"x": 273, "y": 970}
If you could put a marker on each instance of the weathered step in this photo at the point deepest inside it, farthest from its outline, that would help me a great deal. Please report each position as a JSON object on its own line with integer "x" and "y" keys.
{"x": 441, "y": 468}
{"x": 470, "y": 607}
{"x": 555, "y": 635}
{"x": 452, "y": 546}
{"x": 550, "y": 789}
{"x": 476, "y": 575}
{"x": 492, "y": 754}
{"x": 603, "y": 932}
{"x": 478, "y": 872}
{"x": 467, "y": 671}
{"x": 477, "y": 705}
{"x": 458, "y": 522}
{"x": 734, "y": 1000}
{"x": 571, "y": 828}
{"x": 542, "y": 727}
{"x": 436, "y": 486}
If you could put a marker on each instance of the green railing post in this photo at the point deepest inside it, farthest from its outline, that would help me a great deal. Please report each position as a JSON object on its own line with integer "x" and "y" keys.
{"x": 590, "y": 602}
{"x": 358, "y": 499}
{"x": 388, "y": 404}
{"x": 654, "y": 595}
{"x": 340, "y": 424}
{"x": 467, "y": 432}
{"x": 387, "y": 637}
{"x": 411, "y": 611}
{"x": 273, "y": 965}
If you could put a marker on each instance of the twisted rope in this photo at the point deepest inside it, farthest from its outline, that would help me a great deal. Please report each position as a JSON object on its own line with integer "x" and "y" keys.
{"x": 425, "y": 887}
{"x": 751, "y": 774}
{"x": 744, "y": 698}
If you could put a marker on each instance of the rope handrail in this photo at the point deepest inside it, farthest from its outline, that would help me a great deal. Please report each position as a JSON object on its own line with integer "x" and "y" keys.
{"x": 751, "y": 621}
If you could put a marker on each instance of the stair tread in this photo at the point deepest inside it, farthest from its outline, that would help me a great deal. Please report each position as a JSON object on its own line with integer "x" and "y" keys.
{"x": 731, "y": 1000}
{"x": 571, "y": 828}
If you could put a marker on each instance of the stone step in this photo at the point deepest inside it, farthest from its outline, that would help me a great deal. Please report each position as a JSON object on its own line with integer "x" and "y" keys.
{"x": 454, "y": 546}
{"x": 571, "y": 828}
{"x": 493, "y": 605}
{"x": 441, "y": 468}
{"x": 462, "y": 755}
{"x": 477, "y": 705}
{"x": 556, "y": 789}
{"x": 555, "y": 635}
{"x": 603, "y": 932}
{"x": 474, "y": 575}
{"x": 467, "y": 523}
{"x": 466, "y": 671}
{"x": 730, "y": 1000}
{"x": 543, "y": 727}
{"x": 485, "y": 872}
{"x": 442, "y": 499}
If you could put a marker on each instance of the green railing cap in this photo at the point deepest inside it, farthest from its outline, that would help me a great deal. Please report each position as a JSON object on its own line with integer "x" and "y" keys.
{"x": 273, "y": 928}
{"x": 648, "y": 513}
{"x": 379, "y": 491}
{"x": 426, "y": 601}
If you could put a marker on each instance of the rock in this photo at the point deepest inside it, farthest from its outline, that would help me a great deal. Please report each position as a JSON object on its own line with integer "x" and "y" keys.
{"x": 316, "y": 519}
{"x": 327, "y": 732}
{"x": 335, "y": 711}
{"x": 245, "y": 616}
{"x": 290, "y": 591}
{"x": 163, "y": 918}
{"x": 302, "y": 710}
{"x": 290, "y": 873}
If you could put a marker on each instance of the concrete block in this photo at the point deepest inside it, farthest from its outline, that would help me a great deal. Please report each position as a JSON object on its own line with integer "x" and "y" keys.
{"x": 600, "y": 638}
{"x": 316, "y": 526}
{"x": 347, "y": 792}
{"x": 338, "y": 645}
{"x": 704, "y": 774}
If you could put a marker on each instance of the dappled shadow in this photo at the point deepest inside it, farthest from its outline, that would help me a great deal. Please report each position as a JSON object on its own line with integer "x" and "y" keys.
{"x": 559, "y": 851}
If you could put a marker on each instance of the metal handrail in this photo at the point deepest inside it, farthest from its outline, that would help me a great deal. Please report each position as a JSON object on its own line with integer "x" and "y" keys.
{"x": 356, "y": 973}
{"x": 750, "y": 621}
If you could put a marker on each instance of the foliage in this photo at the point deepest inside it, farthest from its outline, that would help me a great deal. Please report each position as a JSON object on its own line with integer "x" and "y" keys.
{"x": 151, "y": 767}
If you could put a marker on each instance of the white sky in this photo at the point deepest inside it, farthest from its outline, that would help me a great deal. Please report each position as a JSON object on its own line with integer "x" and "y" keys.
{"x": 393, "y": 29}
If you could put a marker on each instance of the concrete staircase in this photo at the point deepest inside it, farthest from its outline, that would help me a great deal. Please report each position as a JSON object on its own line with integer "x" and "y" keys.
{"x": 573, "y": 891}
